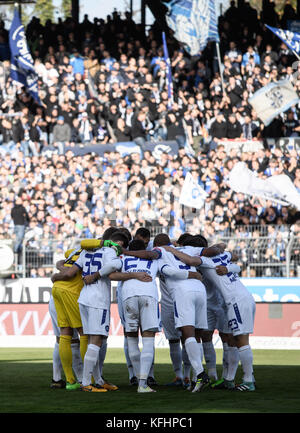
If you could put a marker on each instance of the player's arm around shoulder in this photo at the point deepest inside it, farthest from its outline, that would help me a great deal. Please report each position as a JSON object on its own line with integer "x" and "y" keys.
{"x": 185, "y": 258}
{"x": 93, "y": 244}
{"x": 143, "y": 254}
{"x": 65, "y": 274}
{"x": 234, "y": 257}
{"x": 60, "y": 265}
{"x": 230, "y": 267}
{"x": 90, "y": 244}
{"x": 69, "y": 272}
{"x": 195, "y": 276}
{"x": 125, "y": 276}
{"x": 111, "y": 262}
{"x": 214, "y": 250}
{"x": 178, "y": 274}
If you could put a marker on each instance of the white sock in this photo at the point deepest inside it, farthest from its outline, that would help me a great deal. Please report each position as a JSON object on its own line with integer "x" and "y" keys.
{"x": 193, "y": 350}
{"x": 57, "y": 367}
{"x": 246, "y": 358}
{"x": 128, "y": 360}
{"x": 147, "y": 354}
{"x": 210, "y": 359}
{"x": 176, "y": 358}
{"x": 77, "y": 363}
{"x": 134, "y": 354}
{"x": 151, "y": 371}
{"x": 102, "y": 355}
{"x": 186, "y": 363}
{"x": 194, "y": 375}
{"x": 225, "y": 360}
{"x": 233, "y": 362}
{"x": 201, "y": 351}
{"x": 90, "y": 365}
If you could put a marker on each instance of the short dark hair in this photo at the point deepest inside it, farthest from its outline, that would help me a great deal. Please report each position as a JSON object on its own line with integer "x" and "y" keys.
{"x": 126, "y": 232}
{"x": 108, "y": 232}
{"x": 203, "y": 240}
{"x": 196, "y": 241}
{"x": 137, "y": 245}
{"x": 119, "y": 236}
{"x": 183, "y": 237}
{"x": 161, "y": 239}
{"x": 143, "y": 233}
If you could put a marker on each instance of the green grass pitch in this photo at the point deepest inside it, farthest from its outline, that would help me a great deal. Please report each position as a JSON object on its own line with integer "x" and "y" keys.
{"x": 25, "y": 376}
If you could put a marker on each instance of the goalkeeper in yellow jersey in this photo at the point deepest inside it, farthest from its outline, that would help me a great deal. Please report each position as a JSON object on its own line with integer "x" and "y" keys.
{"x": 65, "y": 295}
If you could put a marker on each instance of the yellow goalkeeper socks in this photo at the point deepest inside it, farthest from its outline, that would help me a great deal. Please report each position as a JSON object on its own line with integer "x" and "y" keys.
{"x": 83, "y": 346}
{"x": 65, "y": 353}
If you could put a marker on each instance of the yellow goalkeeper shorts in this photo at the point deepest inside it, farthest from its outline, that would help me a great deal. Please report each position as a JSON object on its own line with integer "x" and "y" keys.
{"x": 67, "y": 308}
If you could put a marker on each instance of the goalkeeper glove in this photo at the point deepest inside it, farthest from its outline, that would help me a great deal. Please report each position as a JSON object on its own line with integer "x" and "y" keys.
{"x": 118, "y": 249}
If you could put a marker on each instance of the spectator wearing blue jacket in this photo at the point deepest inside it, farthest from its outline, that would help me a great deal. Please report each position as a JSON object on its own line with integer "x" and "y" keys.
{"x": 250, "y": 53}
{"x": 77, "y": 63}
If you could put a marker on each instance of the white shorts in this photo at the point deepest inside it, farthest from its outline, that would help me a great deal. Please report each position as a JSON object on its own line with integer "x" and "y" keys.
{"x": 95, "y": 321}
{"x": 191, "y": 310}
{"x": 141, "y": 312}
{"x": 217, "y": 318}
{"x": 240, "y": 315}
{"x": 53, "y": 315}
{"x": 168, "y": 322}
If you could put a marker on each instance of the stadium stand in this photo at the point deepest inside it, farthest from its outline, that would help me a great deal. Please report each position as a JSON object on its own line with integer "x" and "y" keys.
{"x": 63, "y": 158}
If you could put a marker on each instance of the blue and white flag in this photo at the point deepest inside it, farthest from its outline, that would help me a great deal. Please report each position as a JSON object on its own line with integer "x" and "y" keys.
{"x": 278, "y": 188}
{"x": 168, "y": 72}
{"x": 273, "y": 99}
{"x": 194, "y": 23}
{"x": 22, "y": 66}
{"x": 192, "y": 195}
{"x": 291, "y": 39}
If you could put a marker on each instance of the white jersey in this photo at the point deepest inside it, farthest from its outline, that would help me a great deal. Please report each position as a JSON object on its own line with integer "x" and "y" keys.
{"x": 212, "y": 294}
{"x": 229, "y": 285}
{"x": 174, "y": 285}
{"x": 166, "y": 284}
{"x": 136, "y": 287}
{"x": 98, "y": 294}
{"x": 150, "y": 245}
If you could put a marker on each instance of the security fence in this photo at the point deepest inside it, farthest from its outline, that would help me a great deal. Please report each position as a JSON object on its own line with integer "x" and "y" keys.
{"x": 263, "y": 251}
{"x": 273, "y": 254}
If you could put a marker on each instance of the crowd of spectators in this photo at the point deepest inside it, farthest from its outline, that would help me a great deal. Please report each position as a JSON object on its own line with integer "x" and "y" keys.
{"x": 104, "y": 82}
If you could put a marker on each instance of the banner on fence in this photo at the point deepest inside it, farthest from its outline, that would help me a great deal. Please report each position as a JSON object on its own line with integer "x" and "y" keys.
{"x": 171, "y": 147}
{"x": 277, "y": 326}
{"x": 38, "y": 290}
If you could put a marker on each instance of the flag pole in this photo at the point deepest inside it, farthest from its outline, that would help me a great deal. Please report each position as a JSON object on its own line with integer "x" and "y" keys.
{"x": 19, "y": 7}
{"x": 220, "y": 65}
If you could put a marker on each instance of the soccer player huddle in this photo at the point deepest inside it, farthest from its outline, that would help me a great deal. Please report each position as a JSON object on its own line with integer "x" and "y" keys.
{"x": 187, "y": 289}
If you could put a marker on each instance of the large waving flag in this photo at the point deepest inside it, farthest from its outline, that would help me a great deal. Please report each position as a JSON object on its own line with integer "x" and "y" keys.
{"x": 22, "y": 67}
{"x": 169, "y": 72}
{"x": 192, "y": 195}
{"x": 194, "y": 23}
{"x": 278, "y": 188}
{"x": 291, "y": 39}
{"x": 273, "y": 99}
